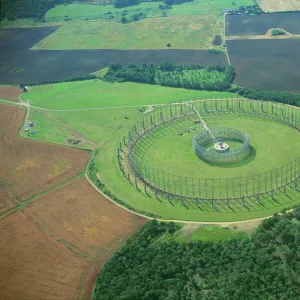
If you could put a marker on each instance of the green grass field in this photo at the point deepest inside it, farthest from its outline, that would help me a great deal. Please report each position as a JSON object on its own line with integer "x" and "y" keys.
{"x": 150, "y": 9}
{"x": 191, "y": 32}
{"x": 166, "y": 151}
{"x": 108, "y": 126}
{"x": 50, "y": 129}
{"x": 100, "y": 94}
{"x": 206, "y": 233}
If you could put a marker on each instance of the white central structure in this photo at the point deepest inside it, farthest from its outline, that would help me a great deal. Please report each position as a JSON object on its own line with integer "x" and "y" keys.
{"x": 221, "y": 147}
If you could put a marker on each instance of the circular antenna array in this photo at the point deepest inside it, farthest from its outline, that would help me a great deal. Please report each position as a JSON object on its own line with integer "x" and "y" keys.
{"x": 213, "y": 145}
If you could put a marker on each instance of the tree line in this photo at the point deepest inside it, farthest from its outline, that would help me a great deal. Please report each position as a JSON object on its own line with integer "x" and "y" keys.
{"x": 216, "y": 78}
{"x": 257, "y": 94}
{"x": 14, "y": 9}
{"x": 76, "y": 78}
{"x": 265, "y": 266}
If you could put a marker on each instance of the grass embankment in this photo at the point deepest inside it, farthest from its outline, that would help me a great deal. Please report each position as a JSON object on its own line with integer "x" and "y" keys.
{"x": 184, "y": 32}
{"x": 100, "y": 94}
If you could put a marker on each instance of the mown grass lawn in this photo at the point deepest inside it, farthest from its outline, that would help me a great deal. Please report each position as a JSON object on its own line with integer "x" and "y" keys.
{"x": 171, "y": 153}
{"x": 99, "y": 94}
{"x": 184, "y": 32}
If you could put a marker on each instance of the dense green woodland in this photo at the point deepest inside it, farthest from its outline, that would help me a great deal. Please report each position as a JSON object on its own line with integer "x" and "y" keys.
{"x": 13, "y": 9}
{"x": 218, "y": 78}
{"x": 267, "y": 266}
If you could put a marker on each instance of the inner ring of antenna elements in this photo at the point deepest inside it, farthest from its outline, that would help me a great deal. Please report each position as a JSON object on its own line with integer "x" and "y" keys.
{"x": 221, "y": 151}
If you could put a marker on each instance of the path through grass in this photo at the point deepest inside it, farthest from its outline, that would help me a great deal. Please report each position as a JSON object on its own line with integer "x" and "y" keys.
{"x": 99, "y": 94}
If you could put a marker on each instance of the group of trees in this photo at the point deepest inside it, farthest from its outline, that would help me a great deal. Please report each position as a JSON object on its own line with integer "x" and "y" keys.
{"x": 218, "y": 78}
{"x": 13, "y": 9}
{"x": 125, "y": 3}
{"x": 257, "y": 94}
{"x": 276, "y": 32}
{"x": 175, "y": 2}
{"x": 77, "y": 78}
{"x": 267, "y": 266}
{"x": 168, "y": 3}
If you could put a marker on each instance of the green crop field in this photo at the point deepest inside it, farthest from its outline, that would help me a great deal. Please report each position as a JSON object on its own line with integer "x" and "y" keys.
{"x": 100, "y": 94}
{"x": 193, "y": 32}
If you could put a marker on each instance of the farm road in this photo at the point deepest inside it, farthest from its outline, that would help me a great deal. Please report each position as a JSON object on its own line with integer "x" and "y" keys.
{"x": 109, "y": 107}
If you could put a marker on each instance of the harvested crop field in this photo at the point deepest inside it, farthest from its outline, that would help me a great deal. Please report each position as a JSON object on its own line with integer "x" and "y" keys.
{"x": 279, "y": 5}
{"x": 54, "y": 248}
{"x": 10, "y": 92}
{"x": 46, "y": 65}
{"x": 241, "y": 25}
{"x": 266, "y": 64}
{"x": 34, "y": 265}
{"x": 28, "y": 167}
{"x": 84, "y": 220}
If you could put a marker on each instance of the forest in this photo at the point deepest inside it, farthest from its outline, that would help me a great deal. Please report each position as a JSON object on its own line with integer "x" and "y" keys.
{"x": 265, "y": 266}
{"x": 36, "y": 9}
{"x": 217, "y": 78}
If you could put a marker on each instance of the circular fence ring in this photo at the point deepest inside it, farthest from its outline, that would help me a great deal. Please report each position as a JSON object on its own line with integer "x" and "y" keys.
{"x": 221, "y": 152}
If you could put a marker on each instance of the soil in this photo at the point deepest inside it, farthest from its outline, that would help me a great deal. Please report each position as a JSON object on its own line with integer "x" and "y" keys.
{"x": 254, "y": 60}
{"x": 87, "y": 224}
{"x": 83, "y": 219}
{"x": 31, "y": 167}
{"x": 34, "y": 265}
{"x": 47, "y": 65}
{"x": 10, "y": 92}
{"x": 242, "y": 25}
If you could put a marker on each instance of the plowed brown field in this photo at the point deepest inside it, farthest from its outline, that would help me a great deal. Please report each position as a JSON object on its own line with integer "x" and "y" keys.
{"x": 33, "y": 265}
{"x": 28, "y": 167}
{"x": 84, "y": 220}
{"x": 57, "y": 246}
{"x": 10, "y": 92}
